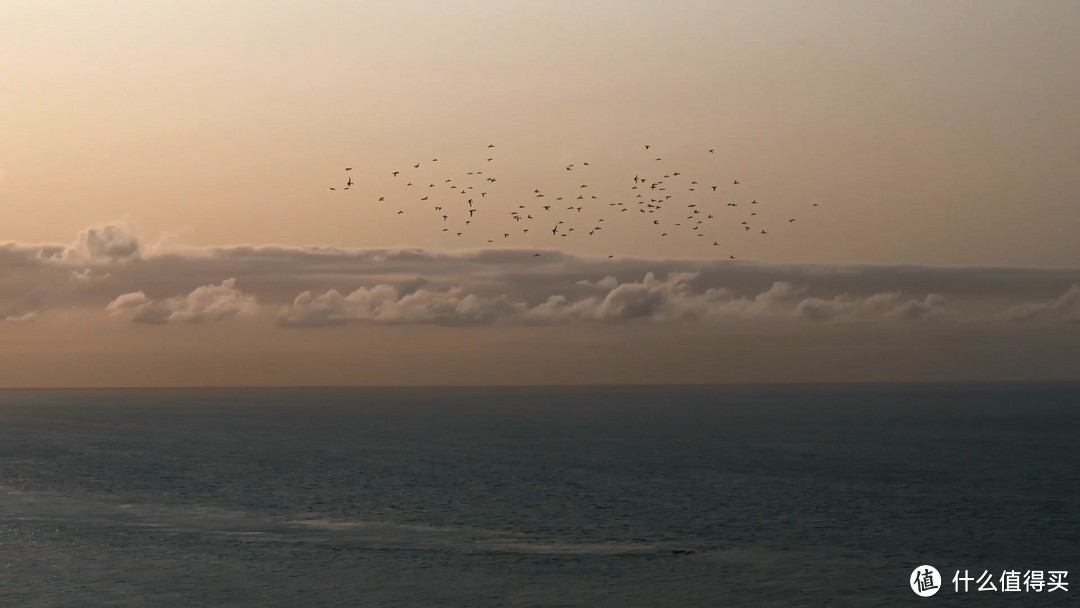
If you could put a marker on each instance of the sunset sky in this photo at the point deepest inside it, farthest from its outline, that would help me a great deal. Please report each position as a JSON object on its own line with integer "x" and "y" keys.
{"x": 166, "y": 215}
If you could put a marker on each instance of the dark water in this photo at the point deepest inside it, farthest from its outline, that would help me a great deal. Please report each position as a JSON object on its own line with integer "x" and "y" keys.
{"x": 787, "y": 496}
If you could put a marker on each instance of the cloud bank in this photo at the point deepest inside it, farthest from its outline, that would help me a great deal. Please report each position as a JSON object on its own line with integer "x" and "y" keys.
{"x": 108, "y": 269}
{"x": 203, "y": 304}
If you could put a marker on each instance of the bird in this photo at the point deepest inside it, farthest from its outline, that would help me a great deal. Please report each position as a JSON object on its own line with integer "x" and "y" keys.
{"x": 736, "y": 181}
{"x": 348, "y": 168}
{"x": 396, "y": 172}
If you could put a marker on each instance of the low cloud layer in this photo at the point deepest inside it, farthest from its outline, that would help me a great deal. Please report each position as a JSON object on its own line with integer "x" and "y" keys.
{"x": 108, "y": 269}
{"x": 1066, "y": 308}
{"x": 203, "y": 304}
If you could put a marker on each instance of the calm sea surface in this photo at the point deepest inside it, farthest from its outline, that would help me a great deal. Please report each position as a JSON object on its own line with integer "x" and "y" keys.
{"x": 718, "y": 496}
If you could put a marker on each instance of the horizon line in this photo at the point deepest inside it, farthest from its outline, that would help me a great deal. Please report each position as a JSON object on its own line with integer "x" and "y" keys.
{"x": 548, "y": 386}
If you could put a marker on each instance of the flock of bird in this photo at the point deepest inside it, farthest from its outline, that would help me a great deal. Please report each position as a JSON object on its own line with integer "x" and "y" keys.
{"x": 675, "y": 205}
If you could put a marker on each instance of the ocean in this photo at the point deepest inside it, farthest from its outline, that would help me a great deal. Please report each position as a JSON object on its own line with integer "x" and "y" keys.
{"x": 815, "y": 495}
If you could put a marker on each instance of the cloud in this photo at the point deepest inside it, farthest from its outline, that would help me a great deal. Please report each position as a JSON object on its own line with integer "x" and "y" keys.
{"x": 204, "y": 304}
{"x": 107, "y": 267}
{"x": 25, "y": 317}
{"x": 387, "y": 304}
{"x": 1066, "y": 308}
{"x": 672, "y": 298}
{"x": 883, "y": 305}
{"x": 109, "y": 243}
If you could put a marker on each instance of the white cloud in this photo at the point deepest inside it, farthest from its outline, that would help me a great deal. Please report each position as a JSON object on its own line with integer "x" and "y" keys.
{"x": 651, "y": 299}
{"x": 607, "y": 282}
{"x": 25, "y": 317}
{"x": 1066, "y": 308}
{"x": 885, "y": 305}
{"x": 204, "y": 304}
{"x": 387, "y": 304}
{"x": 106, "y": 243}
{"x": 500, "y": 285}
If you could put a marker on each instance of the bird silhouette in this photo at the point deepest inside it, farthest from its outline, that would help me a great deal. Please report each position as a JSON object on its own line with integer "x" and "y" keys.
{"x": 667, "y": 190}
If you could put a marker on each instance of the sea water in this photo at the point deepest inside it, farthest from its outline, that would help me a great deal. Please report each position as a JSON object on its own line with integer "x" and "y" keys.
{"x": 664, "y": 496}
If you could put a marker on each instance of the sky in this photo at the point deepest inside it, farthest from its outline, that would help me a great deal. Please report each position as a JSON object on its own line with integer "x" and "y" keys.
{"x": 167, "y": 217}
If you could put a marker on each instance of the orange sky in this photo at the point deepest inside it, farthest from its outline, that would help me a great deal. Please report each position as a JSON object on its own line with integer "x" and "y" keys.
{"x": 931, "y": 134}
